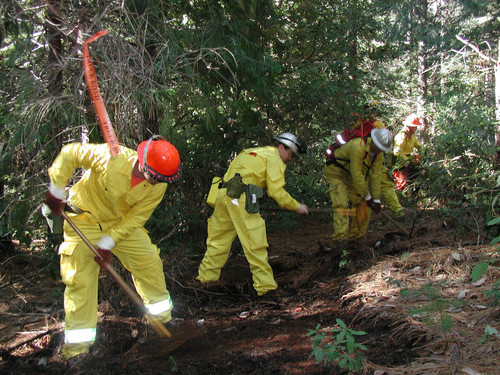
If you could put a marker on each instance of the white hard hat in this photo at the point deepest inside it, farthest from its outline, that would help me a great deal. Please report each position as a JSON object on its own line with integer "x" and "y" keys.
{"x": 292, "y": 142}
{"x": 412, "y": 120}
{"x": 382, "y": 139}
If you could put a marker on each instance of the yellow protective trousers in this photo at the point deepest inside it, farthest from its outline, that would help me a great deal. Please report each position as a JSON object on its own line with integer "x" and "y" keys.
{"x": 388, "y": 191}
{"x": 341, "y": 193}
{"x": 80, "y": 274}
{"x": 230, "y": 219}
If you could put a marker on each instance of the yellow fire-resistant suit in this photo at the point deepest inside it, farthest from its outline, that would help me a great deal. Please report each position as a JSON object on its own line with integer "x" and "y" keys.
{"x": 356, "y": 176}
{"x": 404, "y": 144}
{"x": 388, "y": 191}
{"x": 261, "y": 166}
{"x": 386, "y": 182}
{"x": 109, "y": 207}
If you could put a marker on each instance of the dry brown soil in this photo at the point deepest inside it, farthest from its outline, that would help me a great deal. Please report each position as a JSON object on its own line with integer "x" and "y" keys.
{"x": 238, "y": 333}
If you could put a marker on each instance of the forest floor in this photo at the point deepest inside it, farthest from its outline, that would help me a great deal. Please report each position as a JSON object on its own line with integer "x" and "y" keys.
{"x": 413, "y": 296}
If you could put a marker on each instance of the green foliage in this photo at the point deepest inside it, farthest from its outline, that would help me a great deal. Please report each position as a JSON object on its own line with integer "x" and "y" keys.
{"x": 216, "y": 77}
{"x": 488, "y": 331}
{"x": 340, "y": 348}
{"x": 434, "y": 311}
{"x": 344, "y": 262}
{"x": 479, "y": 270}
{"x": 393, "y": 282}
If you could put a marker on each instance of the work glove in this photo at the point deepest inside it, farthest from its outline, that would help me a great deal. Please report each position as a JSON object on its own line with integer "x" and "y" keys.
{"x": 374, "y": 204}
{"x": 55, "y": 199}
{"x": 104, "y": 246}
{"x": 302, "y": 209}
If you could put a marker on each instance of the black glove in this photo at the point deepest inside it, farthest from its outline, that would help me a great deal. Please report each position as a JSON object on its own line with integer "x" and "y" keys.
{"x": 375, "y": 206}
{"x": 56, "y": 205}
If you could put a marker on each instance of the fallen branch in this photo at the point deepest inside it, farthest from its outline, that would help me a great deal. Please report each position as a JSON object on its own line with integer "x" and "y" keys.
{"x": 7, "y": 351}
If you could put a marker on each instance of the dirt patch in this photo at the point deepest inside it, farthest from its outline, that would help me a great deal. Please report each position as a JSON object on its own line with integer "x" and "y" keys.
{"x": 402, "y": 292}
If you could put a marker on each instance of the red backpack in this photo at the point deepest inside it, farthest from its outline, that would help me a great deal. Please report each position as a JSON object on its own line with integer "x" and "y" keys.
{"x": 362, "y": 130}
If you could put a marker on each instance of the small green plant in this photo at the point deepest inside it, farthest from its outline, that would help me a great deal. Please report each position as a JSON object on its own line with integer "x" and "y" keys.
{"x": 344, "y": 262}
{"x": 481, "y": 267}
{"x": 340, "y": 348}
{"x": 174, "y": 367}
{"x": 488, "y": 331}
{"x": 393, "y": 282}
{"x": 433, "y": 312}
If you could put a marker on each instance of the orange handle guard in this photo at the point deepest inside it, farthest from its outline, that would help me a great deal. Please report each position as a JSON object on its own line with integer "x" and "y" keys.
{"x": 95, "y": 95}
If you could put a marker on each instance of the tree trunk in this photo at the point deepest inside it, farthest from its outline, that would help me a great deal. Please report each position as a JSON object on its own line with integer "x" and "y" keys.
{"x": 54, "y": 39}
{"x": 54, "y": 61}
{"x": 422, "y": 85}
{"x": 497, "y": 109}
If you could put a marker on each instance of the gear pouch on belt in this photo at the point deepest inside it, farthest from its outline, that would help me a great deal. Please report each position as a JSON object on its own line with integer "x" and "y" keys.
{"x": 235, "y": 186}
{"x": 253, "y": 193}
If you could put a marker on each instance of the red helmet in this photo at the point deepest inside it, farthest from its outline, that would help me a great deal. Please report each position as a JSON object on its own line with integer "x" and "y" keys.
{"x": 160, "y": 159}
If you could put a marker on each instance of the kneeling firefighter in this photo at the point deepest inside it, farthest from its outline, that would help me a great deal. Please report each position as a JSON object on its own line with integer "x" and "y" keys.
{"x": 236, "y": 209}
{"x": 353, "y": 177}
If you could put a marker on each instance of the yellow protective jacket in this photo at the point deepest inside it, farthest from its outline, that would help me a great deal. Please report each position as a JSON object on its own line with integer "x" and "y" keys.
{"x": 404, "y": 145}
{"x": 354, "y": 163}
{"x": 104, "y": 190}
{"x": 263, "y": 167}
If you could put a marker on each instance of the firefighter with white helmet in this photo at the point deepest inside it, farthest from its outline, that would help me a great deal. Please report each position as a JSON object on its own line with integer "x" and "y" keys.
{"x": 236, "y": 209}
{"x": 110, "y": 205}
{"x": 387, "y": 189}
{"x": 354, "y": 176}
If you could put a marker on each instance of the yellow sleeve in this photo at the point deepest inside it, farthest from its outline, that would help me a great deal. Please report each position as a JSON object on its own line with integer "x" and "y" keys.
{"x": 357, "y": 153}
{"x": 399, "y": 146}
{"x": 375, "y": 175}
{"x": 275, "y": 181}
{"x": 416, "y": 141}
{"x": 71, "y": 157}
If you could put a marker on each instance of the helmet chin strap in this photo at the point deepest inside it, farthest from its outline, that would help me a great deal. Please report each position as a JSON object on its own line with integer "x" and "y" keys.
{"x": 145, "y": 152}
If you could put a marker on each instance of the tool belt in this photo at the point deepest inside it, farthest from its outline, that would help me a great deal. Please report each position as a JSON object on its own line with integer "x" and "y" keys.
{"x": 235, "y": 187}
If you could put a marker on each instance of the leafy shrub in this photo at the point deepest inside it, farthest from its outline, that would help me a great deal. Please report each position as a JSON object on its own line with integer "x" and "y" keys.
{"x": 341, "y": 348}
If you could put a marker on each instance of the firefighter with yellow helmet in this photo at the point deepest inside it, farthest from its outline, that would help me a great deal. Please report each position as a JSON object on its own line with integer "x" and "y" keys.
{"x": 236, "y": 209}
{"x": 110, "y": 205}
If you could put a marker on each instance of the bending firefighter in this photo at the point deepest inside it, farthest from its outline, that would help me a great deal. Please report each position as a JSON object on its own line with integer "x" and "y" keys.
{"x": 110, "y": 205}
{"x": 405, "y": 143}
{"x": 354, "y": 177}
{"x": 387, "y": 186}
{"x": 236, "y": 210}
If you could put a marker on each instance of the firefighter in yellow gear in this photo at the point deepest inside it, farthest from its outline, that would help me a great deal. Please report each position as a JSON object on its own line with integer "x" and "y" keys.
{"x": 405, "y": 144}
{"x": 235, "y": 213}
{"x": 387, "y": 189}
{"x": 406, "y": 141}
{"x": 355, "y": 176}
{"x": 110, "y": 205}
